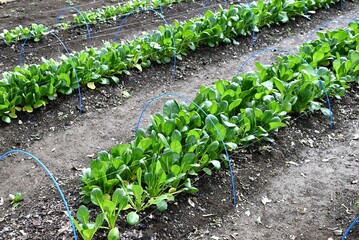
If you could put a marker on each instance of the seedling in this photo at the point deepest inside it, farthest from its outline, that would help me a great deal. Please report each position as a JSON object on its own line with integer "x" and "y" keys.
{"x": 16, "y": 199}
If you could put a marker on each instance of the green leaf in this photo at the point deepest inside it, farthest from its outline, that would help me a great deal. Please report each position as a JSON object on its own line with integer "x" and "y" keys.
{"x": 64, "y": 77}
{"x": 171, "y": 107}
{"x": 83, "y": 214}
{"x": 119, "y": 197}
{"x": 234, "y": 104}
{"x": 231, "y": 146}
{"x": 97, "y": 197}
{"x": 137, "y": 192}
{"x": 28, "y": 108}
{"x": 155, "y": 45}
{"x": 175, "y": 169}
{"x": 132, "y": 218}
{"x": 39, "y": 103}
{"x": 6, "y": 119}
{"x": 275, "y": 125}
{"x": 145, "y": 143}
{"x": 115, "y": 79}
{"x": 356, "y": 204}
{"x": 12, "y": 115}
{"x": 283, "y": 17}
{"x": 114, "y": 234}
{"x": 138, "y": 66}
{"x": 162, "y": 206}
{"x": 188, "y": 34}
{"x": 169, "y": 127}
{"x": 213, "y": 146}
{"x": 248, "y": 138}
{"x": 176, "y": 135}
{"x": 318, "y": 56}
{"x": 176, "y": 146}
{"x": 99, "y": 220}
{"x": 163, "y": 140}
{"x": 216, "y": 164}
{"x": 207, "y": 171}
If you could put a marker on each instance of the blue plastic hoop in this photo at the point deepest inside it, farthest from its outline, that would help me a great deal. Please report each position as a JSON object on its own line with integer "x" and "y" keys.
{"x": 52, "y": 179}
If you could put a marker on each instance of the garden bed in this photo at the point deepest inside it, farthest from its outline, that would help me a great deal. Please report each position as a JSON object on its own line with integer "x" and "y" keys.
{"x": 309, "y": 173}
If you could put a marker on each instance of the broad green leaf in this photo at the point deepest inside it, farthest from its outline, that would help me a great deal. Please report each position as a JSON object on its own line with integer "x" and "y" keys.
{"x": 234, "y": 104}
{"x": 83, "y": 214}
{"x": 145, "y": 143}
{"x": 139, "y": 176}
{"x": 137, "y": 191}
{"x": 175, "y": 169}
{"x": 318, "y": 56}
{"x": 65, "y": 77}
{"x": 176, "y": 146}
{"x": 207, "y": 171}
{"x": 248, "y": 138}
{"x": 91, "y": 85}
{"x": 231, "y": 146}
{"x": 155, "y": 45}
{"x": 118, "y": 196}
{"x": 176, "y": 135}
{"x": 39, "y": 103}
{"x": 97, "y": 197}
{"x": 114, "y": 234}
{"x": 6, "y": 119}
{"x": 132, "y": 218}
{"x": 139, "y": 67}
{"x": 162, "y": 206}
{"x": 275, "y": 125}
{"x": 188, "y": 34}
{"x": 115, "y": 79}
{"x": 163, "y": 140}
{"x": 169, "y": 127}
{"x": 216, "y": 164}
{"x": 28, "y": 109}
{"x": 99, "y": 219}
{"x": 213, "y": 146}
{"x": 171, "y": 107}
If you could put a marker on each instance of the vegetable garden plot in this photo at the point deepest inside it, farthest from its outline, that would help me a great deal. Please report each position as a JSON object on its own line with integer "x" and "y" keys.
{"x": 100, "y": 65}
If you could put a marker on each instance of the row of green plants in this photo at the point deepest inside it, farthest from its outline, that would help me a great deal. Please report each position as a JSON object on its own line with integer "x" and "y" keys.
{"x": 183, "y": 140}
{"x": 32, "y": 86}
{"x": 103, "y": 14}
{"x": 113, "y": 12}
{"x": 37, "y": 31}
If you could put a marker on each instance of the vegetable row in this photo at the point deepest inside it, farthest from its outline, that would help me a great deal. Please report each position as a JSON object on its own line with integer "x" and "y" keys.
{"x": 32, "y": 86}
{"x": 86, "y": 17}
{"x": 185, "y": 139}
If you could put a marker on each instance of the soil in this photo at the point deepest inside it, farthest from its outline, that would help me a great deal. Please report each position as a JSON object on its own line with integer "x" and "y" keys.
{"x": 303, "y": 186}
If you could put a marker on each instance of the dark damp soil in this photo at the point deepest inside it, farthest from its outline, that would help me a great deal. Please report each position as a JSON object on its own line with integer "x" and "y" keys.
{"x": 303, "y": 186}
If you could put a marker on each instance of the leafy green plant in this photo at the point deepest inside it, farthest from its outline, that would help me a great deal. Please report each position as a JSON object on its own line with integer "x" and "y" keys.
{"x": 83, "y": 225}
{"x": 111, "y": 206}
{"x": 19, "y": 33}
{"x": 182, "y": 140}
{"x": 356, "y": 204}
{"x": 105, "y": 13}
{"x": 32, "y": 86}
{"x": 16, "y": 199}
{"x": 113, "y": 12}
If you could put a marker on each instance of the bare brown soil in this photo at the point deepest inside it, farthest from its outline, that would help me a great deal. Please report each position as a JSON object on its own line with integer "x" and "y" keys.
{"x": 309, "y": 174}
